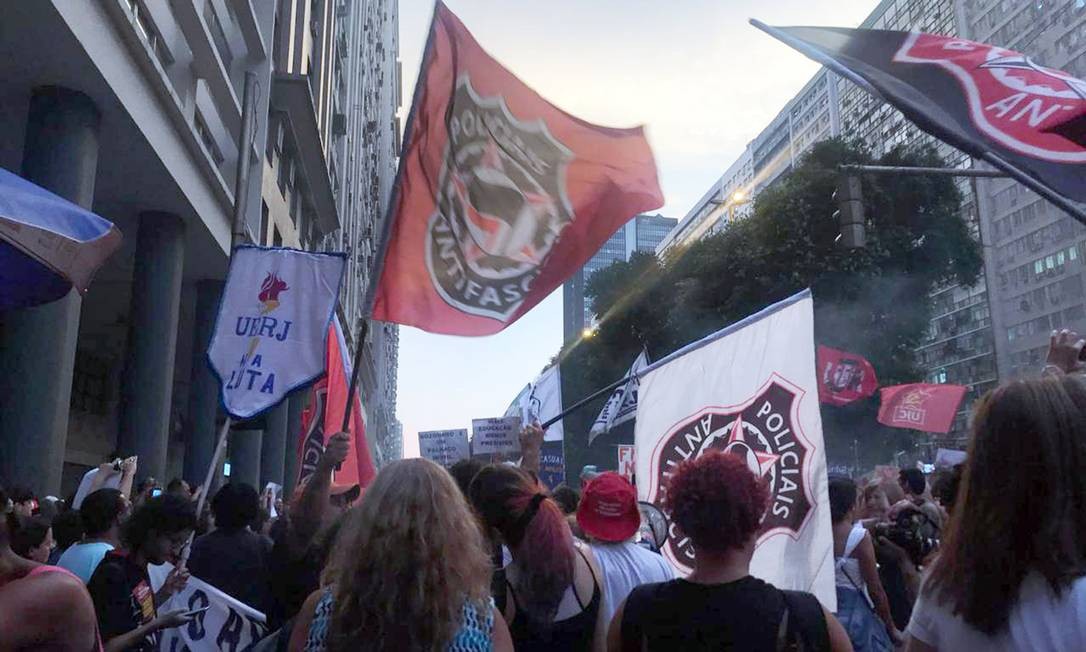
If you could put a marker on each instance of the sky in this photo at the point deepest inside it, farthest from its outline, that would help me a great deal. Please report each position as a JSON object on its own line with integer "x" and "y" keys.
{"x": 694, "y": 72}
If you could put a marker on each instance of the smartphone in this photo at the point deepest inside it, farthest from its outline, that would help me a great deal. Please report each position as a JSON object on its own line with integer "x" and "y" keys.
{"x": 195, "y": 612}
{"x": 156, "y": 492}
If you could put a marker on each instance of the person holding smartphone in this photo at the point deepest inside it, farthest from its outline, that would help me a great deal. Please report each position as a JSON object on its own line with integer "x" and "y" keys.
{"x": 120, "y": 587}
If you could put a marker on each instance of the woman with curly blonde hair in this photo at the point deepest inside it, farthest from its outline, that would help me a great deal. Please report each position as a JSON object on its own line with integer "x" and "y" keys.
{"x": 409, "y": 571}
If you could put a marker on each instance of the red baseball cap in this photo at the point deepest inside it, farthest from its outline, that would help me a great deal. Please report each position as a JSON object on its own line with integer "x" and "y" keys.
{"x": 608, "y": 509}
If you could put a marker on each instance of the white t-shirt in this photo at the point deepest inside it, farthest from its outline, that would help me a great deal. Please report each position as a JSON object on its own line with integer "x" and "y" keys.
{"x": 1039, "y": 622}
{"x": 626, "y": 566}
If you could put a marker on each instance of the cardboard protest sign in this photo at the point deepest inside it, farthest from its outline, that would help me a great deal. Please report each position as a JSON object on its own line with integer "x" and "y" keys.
{"x": 497, "y": 435}
{"x": 444, "y": 447}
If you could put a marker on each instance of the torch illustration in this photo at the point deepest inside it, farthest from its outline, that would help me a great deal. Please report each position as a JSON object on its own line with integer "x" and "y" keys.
{"x": 269, "y": 299}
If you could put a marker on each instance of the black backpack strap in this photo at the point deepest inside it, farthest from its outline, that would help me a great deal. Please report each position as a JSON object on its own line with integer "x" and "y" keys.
{"x": 807, "y": 622}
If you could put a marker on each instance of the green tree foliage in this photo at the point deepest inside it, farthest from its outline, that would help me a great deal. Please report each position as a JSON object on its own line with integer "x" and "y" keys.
{"x": 871, "y": 301}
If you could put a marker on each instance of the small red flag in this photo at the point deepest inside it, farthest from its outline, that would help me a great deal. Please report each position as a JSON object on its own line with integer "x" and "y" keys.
{"x": 920, "y": 406}
{"x": 844, "y": 377}
{"x": 324, "y": 416}
{"x": 500, "y": 195}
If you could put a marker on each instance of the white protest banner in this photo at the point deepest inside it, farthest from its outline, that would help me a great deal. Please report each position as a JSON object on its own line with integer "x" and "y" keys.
{"x": 626, "y": 461}
{"x": 498, "y": 435}
{"x": 444, "y": 447}
{"x": 946, "y": 458}
{"x": 621, "y": 406}
{"x": 751, "y": 390}
{"x": 226, "y": 626}
{"x": 540, "y": 401}
{"x": 271, "y": 332}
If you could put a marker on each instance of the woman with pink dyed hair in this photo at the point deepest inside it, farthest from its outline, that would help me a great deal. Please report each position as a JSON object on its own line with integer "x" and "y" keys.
{"x": 550, "y": 593}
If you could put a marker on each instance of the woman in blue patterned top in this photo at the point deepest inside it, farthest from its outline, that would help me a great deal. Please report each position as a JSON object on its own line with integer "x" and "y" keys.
{"x": 410, "y": 571}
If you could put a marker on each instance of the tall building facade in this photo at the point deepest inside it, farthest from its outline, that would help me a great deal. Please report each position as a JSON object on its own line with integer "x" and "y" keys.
{"x": 1033, "y": 251}
{"x": 133, "y": 108}
{"x": 812, "y": 115}
{"x": 336, "y": 100}
{"x": 643, "y": 233}
{"x": 958, "y": 347}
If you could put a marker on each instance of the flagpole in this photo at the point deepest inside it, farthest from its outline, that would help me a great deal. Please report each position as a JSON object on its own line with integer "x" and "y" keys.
{"x": 237, "y": 236}
{"x": 360, "y": 340}
{"x": 594, "y": 395}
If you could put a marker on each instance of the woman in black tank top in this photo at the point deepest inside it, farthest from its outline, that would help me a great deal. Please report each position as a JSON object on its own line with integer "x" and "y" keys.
{"x": 717, "y": 502}
{"x": 546, "y": 564}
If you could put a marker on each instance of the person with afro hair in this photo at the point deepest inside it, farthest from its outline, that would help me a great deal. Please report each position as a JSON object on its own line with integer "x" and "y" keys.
{"x": 717, "y": 503}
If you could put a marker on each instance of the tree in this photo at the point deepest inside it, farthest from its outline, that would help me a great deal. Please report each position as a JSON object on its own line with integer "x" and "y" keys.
{"x": 871, "y": 301}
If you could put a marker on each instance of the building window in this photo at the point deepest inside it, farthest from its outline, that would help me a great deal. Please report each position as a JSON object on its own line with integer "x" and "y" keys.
{"x": 218, "y": 35}
{"x": 207, "y": 139}
{"x": 90, "y": 384}
{"x": 264, "y": 219}
{"x": 141, "y": 20}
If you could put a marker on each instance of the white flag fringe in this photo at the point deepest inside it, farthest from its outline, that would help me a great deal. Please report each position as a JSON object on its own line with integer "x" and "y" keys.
{"x": 621, "y": 406}
{"x": 751, "y": 390}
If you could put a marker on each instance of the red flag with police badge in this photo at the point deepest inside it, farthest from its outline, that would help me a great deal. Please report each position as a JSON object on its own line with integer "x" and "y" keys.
{"x": 844, "y": 377}
{"x": 500, "y": 195}
{"x": 992, "y": 103}
{"x": 921, "y": 406}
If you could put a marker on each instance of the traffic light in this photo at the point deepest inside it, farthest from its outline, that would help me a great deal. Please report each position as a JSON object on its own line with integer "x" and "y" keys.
{"x": 850, "y": 211}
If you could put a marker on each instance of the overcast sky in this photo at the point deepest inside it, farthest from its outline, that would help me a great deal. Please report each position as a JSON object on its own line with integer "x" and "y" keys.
{"x": 701, "y": 79}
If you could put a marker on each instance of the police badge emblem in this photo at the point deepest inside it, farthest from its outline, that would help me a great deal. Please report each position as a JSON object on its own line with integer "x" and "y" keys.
{"x": 501, "y": 205}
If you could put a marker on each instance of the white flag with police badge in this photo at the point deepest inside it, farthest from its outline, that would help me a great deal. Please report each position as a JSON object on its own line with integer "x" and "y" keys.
{"x": 749, "y": 389}
{"x": 271, "y": 331}
{"x": 621, "y": 406}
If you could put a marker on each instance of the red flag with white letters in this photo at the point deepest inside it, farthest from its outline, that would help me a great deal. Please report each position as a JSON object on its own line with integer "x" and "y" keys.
{"x": 921, "y": 406}
{"x": 844, "y": 377}
{"x": 500, "y": 195}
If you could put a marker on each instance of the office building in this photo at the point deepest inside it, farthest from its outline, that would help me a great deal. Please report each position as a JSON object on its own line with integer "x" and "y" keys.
{"x": 643, "y": 233}
{"x": 1034, "y": 251}
{"x": 958, "y": 346}
{"x": 133, "y": 109}
{"x": 812, "y": 115}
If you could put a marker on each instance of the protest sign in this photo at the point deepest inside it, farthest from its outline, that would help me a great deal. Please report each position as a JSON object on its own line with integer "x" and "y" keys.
{"x": 626, "y": 461}
{"x": 750, "y": 390}
{"x": 226, "y": 626}
{"x": 445, "y": 447}
{"x": 497, "y": 435}
{"x": 272, "y": 326}
{"x": 946, "y": 458}
{"x": 552, "y": 464}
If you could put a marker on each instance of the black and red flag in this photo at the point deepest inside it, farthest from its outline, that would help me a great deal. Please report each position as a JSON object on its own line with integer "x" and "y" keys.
{"x": 844, "y": 377}
{"x": 992, "y": 103}
{"x": 500, "y": 195}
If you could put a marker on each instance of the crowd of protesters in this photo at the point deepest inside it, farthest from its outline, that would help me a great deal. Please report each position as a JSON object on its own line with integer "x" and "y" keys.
{"x": 988, "y": 555}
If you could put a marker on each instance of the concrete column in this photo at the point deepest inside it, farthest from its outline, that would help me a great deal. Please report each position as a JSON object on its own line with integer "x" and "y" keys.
{"x": 203, "y": 388}
{"x": 298, "y": 402}
{"x": 37, "y": 345}
{"x": 273, "y": 448}
{"x": 245, "y": 456}
{"x": 147, "y": 385}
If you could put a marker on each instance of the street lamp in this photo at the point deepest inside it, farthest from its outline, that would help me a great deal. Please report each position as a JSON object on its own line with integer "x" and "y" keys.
{"x": 588, "y": 332}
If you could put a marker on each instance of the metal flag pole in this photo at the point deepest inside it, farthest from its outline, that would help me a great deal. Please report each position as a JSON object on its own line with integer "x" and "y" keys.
{"x": 237, "y": 236}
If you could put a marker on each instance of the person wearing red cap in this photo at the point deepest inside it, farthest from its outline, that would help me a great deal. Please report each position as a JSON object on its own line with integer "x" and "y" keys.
{"x": 609, "y": 517}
